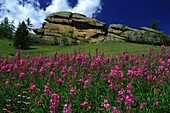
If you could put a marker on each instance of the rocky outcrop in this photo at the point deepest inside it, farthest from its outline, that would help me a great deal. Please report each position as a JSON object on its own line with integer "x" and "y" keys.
{"x": 64, "y": 28}
{"x": 121, "y": 33}
{"x": 74, "y": 24}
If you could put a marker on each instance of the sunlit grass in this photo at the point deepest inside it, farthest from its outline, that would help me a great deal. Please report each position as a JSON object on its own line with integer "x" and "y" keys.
{"x": 110, "y": 48}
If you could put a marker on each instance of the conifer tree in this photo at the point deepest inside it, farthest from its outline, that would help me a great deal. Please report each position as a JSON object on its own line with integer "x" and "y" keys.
{"x": 28, "y": 24}
{"x": 21, "y": 38}
{"x": 154, "y": 24}
{"x": 7, "y": 28}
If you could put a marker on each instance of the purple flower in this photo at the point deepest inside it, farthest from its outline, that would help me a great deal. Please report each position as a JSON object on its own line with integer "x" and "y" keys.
{"x": 39, "y": 103}
{"x": 64, "y": 69}
{"x": 142, "y": 105}
{"x": 111, "y": 86}
{"x": 51, "y": 73}
{"x": 67, "y": 108}
{"x": 162, "y": 47}
{"x": 156, "y": 103}
{"x": 107, "y": 106}
{"x": 8, "y": 71}
{"x": 34, "y": 70}
{"x": 70, "y": 70}
{"x": 7, "y": 84}
{"x": 17, "y": 86}
{"x": 96, "y": 48}
{"x": 73, "y": 89}
{"x": 21, "y": 75}
{"x": 84, "y": 103}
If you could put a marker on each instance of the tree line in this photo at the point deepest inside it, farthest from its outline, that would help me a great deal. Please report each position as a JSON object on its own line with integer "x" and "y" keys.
{"x": 20, "y": 36}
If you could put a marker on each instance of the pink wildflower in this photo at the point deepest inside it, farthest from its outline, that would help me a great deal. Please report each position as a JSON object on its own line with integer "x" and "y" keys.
{"x": 51, "y": 73}
{"x": 64, "y": 69}
{"x": 73, "y": 89}
{"x": 87, "y": 83}
{"x": 34, "y": 70}
{"x": 70, "y": 70}
{"x": 21, "y": 75}
{"x": 111, "y": 86}
{"x": 54, "y": 101}
{"x": 142, "y": 105}
{"x": 39, "y": 103}
{"x": 7, "y": 84}
{"x": 67, "y": 108}
{"x": 107, "y": 106}
{"x": 96, "y": 48}
{"x": 8, "y": 71}
{"x": 32, "y": 88}
{"x": 84, "y": 103}
{"x": 17, "y": 86}
{"x": 162, "y": 47}
{"x": 156, "y": 103}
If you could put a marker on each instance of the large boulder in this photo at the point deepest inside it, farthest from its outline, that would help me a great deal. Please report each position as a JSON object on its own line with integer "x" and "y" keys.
{"x": 78, "y": 25}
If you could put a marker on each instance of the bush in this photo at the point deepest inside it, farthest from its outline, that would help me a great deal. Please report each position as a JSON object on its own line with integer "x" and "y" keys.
{"x": 74, "y": 39}
{"x": 84, "y": 41}
{"x": 56, "y": 41}
{"x": 64, "y": 40}
{"x": 164, "y": 38}
{"x": 21, "y": 38}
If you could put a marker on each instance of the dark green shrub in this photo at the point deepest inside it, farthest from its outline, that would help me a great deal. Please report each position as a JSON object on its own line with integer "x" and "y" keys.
{"x": 63, "y": 39}
{"x": 123, "y": 27}
{"x": 74, "y": 41}
{"x": 85, "y": 41}
{"x": 165, "y": 40}
{"x": 56, "y": 41}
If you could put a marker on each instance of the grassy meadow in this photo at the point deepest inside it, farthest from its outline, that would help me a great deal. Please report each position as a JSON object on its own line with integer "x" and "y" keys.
{"x": 109, "y": 48}
{"x": 112, "y": 78}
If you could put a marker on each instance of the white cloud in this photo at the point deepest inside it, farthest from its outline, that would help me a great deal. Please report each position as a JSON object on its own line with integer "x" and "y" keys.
{"x": 88, "y": 7}
{"x": 19, "y": 10}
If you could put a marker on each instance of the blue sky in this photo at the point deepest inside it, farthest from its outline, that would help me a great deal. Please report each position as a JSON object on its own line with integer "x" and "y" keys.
{"x": 128, "y": 12}
{"x": 137, "y": 12}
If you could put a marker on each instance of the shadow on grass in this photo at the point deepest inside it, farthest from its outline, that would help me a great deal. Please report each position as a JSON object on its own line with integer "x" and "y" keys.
{"x": 28, "y": 48}
{"x": 12, "y": 54}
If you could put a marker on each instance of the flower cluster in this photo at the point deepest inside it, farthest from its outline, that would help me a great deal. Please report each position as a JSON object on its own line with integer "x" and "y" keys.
{"x": 84, "y": 81}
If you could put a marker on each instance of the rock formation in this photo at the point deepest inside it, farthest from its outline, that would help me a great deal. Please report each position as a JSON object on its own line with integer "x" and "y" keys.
{"x": 64, "y": 28}
{"x": 74, "y": 24}
{"x": 121, "y": 33}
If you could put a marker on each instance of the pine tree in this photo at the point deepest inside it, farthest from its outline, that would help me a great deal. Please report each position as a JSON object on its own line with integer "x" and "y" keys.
{"x": 154, "y": 24}
{"x": 7, "y": 28}
{"x": 28, "y": 23}
{"x": 21, "y": 38}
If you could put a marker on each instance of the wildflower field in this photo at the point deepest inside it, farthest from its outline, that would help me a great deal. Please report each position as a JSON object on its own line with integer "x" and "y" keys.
{"x": 80, "y": 83}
